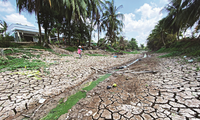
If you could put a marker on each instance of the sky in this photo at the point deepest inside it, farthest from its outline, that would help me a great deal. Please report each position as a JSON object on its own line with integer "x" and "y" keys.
{"x": 140, "y": 17}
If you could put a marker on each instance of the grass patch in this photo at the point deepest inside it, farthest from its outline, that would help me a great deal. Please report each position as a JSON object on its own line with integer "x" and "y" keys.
{"x": 95, "y": 83}
{"x": 62, "y": 55}
{"x": 63, "y": 107}
{"x": 133, "y": 52}
{"x": 171, "y": 54}
{"x": 37, "y": 47}
{"x": 15, "y": 63}
{"x": 184, "y": 47}
{"x": 109, "y": 49}
{"x": 95, "y": 54}
{"x": 72, "y": 49}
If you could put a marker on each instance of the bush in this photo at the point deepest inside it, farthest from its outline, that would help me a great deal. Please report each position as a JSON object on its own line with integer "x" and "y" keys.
{"x": 174, "y": 53}
{"x": 72, "y": 49}
{"x": 6, "y": 41}
{"x": 184, "y": 47}
{"x": 109, "y": 49}
{"x": 161, "y": 50}
{"x": 3, "y": 61}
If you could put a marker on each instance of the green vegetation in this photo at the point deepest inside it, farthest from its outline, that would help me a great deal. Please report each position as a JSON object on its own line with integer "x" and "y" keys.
{"x": 6, "y": 41}
{"x": 109, "y": 49}
{"x": 75, "y": 31}
{"x": 182, "y": 14}
{"x": 95, "y": 83}
{"x": 95, "y": 55}
{"x": 64, "y": 55}
{"x": 36, "y": 46}
{"x": 15, "y": 63}
{"x": 187, "y": 47}
{"x": 198, "y": 68}
{"x": 72, "y": 49}
{"x": 133, "y": 52}
{"x": 63, "y": 107}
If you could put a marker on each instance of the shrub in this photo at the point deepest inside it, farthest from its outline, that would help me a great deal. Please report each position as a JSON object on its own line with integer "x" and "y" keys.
{"x": 109, "y": 49}
{"x": 161, "y": 50}
{"x": 6, "y": 41}
{"x": 72, "y": 49}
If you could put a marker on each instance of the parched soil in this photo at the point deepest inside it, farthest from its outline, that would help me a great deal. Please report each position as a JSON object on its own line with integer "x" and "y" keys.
{"x": 172, "y": 93}
{"x": 21, "y": 92}
{"x": 152, "y": 88}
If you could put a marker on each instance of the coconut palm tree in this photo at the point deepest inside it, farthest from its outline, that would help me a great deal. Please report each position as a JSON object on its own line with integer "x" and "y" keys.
{"x": 173, "y": 20}
{"x": 182, "y": 14}
{"x": 3, "y": 27}
{"x": 31, "y": 6}
{"x": 191, "y": 12}
{"x": 112, "y": 20}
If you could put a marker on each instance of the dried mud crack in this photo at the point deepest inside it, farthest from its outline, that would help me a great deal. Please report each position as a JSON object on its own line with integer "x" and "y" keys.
{"x": 170, "y": 94}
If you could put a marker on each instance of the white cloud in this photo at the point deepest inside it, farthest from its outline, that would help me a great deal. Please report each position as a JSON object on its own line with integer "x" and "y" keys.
{"x": 164, "y": 1}
{"x": 17, "y": 18}
{"x": 139, "y": 24}
{"x": 141, "y": 28}
{"x": 6, "y": 7}
{"x": 148, "y": 11}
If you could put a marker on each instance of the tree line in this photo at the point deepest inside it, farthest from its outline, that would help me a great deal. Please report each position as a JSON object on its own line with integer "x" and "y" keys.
{"x": 75, "y": 19}
{"x": 182, "y": 14}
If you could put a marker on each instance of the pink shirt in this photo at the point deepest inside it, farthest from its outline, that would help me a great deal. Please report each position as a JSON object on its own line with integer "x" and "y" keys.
{"x": 79, "y": 51}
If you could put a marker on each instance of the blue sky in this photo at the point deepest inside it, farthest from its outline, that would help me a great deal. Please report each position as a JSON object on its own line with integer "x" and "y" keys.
{"x": 140, "y": 17}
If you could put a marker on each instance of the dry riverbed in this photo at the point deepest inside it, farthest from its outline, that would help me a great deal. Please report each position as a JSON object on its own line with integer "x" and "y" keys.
{"x": 21, "y": 90}
{"x": 170, "y": 92}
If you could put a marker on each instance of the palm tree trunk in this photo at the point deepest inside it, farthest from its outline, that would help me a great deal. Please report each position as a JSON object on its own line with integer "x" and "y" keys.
{"x": 91, "y": 32}
{"x": 163, "y": 39}
{"x": 45, "y": 38}
{"x": 98, "y": 35}
{"x": 58, "y": 35}
{"x": 39, "y": 28}
{"x": 178, "y": 35}
{"x": 69, "y": 38}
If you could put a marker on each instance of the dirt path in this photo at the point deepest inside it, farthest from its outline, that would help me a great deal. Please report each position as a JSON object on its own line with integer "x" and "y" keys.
{"x": 171, "y": 94}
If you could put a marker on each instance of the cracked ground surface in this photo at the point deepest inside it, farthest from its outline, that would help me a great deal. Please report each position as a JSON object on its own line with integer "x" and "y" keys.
{"x": 173, "y": 93}
{"x": 20, "y": 92}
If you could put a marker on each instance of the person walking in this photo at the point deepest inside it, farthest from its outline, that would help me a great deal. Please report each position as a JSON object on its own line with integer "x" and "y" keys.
{"x": 79, "y": 51}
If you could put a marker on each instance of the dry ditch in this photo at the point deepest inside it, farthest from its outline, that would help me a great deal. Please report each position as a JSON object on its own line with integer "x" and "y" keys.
{"x": 171, "y": 94}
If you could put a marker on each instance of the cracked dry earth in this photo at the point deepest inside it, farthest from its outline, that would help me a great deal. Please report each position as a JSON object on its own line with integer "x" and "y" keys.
{"x": 173, "y": 93}
{"x": 20, "y": 93}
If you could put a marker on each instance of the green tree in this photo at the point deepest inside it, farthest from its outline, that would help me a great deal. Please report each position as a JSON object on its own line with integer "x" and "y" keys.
{"x": 133, "y": 44}
{"x": 32, "y": 6}
{"x": 182, "y": 14}
{"x": 3, "y": 27}
{"x": 112, "y": 20}
{"x": 173, "y": 20}
{"x": 142, "y": 46}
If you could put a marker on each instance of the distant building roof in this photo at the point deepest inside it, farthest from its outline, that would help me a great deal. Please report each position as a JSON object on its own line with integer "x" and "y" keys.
{"x": 18, "y": 27}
